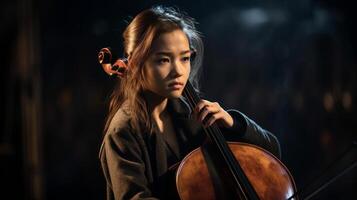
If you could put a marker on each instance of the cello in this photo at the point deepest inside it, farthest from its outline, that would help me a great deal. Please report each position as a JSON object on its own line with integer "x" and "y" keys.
{"x": 232, "y": 170}
{"x": 221, "y": 170}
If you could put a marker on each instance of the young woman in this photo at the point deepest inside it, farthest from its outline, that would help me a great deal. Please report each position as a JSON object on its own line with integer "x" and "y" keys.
{"x": 150, "y": 126}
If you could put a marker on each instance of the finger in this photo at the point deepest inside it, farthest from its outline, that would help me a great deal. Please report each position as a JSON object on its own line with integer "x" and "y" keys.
{"x": 206, "y": 111}
{"x": 203, "y": 113}
{"x": 198, "y": 108}
{"x": 213, "y": 119}
{"x": 201, "y": 104}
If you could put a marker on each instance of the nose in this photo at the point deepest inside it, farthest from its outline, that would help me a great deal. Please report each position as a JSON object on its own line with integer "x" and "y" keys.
{"x": 177, "y": 69}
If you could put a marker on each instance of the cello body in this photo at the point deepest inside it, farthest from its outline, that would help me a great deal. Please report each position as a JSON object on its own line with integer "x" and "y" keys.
{"x": 196, "y": 177}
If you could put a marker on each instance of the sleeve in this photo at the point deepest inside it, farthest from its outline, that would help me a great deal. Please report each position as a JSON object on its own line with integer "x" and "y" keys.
{"x": 246, "y": 130}
{"x": 124, "y": 167}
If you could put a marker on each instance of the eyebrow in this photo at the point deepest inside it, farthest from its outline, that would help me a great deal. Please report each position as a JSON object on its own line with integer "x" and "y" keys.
{"x": 169, "y": 53}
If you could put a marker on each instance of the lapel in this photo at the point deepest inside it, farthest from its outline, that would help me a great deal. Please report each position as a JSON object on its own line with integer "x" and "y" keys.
{"x": 187, "y": 129}
{"x": 188, "y": 133}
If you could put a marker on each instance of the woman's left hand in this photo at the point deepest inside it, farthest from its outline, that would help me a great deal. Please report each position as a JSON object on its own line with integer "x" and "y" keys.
{"x": 208, "y": 112}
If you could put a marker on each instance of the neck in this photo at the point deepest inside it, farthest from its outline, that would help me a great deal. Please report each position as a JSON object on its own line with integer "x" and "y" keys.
{"x": 156, "y": 104}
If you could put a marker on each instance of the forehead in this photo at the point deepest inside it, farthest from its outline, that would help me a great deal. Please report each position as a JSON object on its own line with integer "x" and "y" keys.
{"x": 173, "y": 41}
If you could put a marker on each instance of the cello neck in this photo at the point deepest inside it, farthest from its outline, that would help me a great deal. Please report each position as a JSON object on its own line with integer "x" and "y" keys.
{"x": 241, "y": 183}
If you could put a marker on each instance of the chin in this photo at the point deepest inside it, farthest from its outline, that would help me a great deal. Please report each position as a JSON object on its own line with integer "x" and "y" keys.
{"x": 175, "y": 94}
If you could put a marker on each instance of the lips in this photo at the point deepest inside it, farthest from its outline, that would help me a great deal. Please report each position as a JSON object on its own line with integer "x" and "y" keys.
{"x": 176, "y": 85}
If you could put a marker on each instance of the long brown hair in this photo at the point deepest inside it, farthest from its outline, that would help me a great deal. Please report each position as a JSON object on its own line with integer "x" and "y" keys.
{"x": 138, "y": 39}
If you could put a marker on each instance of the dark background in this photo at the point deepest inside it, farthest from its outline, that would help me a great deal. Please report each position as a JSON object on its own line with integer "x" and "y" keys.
{"x": 289, "y": 65}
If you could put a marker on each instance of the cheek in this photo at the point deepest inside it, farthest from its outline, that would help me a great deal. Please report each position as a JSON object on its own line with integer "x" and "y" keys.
{"x": 160, "y": 73}
{"x": 188, "y": 71}
{"x": 154, "y": 77}
{"x": 157, "y": 76}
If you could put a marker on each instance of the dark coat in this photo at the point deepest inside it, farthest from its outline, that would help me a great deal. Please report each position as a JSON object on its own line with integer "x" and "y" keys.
{"x": 134, "y": 162}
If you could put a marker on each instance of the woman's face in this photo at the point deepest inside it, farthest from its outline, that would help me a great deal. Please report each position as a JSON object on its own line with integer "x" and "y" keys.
{"x": 168, "y": 67}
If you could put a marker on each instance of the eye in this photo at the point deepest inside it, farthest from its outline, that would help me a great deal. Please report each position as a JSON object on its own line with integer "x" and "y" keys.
{"x": 163, "y": 60}
{"x": 186, "y": 58}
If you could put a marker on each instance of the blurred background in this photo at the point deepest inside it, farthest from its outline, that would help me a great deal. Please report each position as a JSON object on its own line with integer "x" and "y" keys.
{"x": 288, "y": 65}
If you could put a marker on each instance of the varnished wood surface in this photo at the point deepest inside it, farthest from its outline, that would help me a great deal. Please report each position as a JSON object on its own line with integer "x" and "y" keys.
{"x": 269, "y": 177}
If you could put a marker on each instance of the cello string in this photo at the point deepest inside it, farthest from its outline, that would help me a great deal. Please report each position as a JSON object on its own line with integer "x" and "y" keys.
{"x": 196, "y": 99}
{"x": 232, "y": 162}
{"x": 216, "y": 133}
{"x": 217, "y": 138}
{"x": 193, "y": 101}
{"x": 237, "y": 173}
{"x": 210, "y": 132}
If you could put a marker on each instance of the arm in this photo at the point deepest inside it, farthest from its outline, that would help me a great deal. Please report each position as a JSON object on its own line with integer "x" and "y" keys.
{"x": 123, "y": 166}
{"x": 246, "y": 130}
{"x": 236, "y": 125}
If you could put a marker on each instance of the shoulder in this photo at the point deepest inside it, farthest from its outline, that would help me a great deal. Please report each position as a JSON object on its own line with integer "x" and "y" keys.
{"x": 120, "y": 136}
{"x": 120, "y": 121}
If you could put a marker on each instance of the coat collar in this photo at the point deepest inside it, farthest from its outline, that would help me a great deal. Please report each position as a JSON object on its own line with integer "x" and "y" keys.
{"x": 179, "y": 108}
